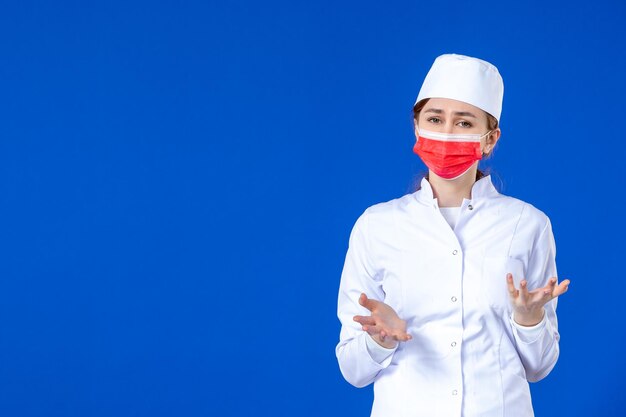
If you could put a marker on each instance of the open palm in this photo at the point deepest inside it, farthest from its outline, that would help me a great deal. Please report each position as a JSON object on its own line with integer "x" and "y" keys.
{"x": 384, "y": 325}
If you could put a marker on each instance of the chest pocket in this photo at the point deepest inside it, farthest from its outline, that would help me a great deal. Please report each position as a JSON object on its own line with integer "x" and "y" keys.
{"x": 494, "y": 281}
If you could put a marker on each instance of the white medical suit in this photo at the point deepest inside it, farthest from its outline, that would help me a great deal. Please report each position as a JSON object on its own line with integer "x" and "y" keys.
{"x": 467, "y": 357}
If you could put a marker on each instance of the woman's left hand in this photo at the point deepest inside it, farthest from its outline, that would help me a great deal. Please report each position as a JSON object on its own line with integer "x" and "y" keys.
{"x": 528, "y": 305}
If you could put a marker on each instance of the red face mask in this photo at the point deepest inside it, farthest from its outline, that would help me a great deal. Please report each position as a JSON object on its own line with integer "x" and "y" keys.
{"x": 448, "y": 155}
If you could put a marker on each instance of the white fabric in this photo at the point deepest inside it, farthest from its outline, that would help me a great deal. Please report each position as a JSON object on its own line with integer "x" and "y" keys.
{"x": 376, "y": 351}
{"x": 525, "y": 333}
{"x": 466, "y": 79}
{"x": 467, "y": 357}
{"x": 451, "y": 214}
{"x": 451, "y": 137}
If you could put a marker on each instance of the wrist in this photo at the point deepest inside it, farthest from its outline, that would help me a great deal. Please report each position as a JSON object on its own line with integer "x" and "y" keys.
{"x": 388, "y": 343}
{"x": 529, "y": 319}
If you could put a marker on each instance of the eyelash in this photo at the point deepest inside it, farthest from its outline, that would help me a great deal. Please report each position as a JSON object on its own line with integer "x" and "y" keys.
{"x": 464, "y": 123}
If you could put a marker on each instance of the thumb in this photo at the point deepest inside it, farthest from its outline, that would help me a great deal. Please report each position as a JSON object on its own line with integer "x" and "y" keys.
{"x": 367, "y": 302}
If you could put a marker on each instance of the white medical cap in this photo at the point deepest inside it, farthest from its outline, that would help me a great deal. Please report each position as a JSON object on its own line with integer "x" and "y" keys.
{"x": 467, "y": 79}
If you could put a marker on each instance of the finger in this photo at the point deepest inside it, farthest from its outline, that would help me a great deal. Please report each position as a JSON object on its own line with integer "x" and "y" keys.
{"x": 362, "y": 299}
{"x": 367, "y": 302}
{"x": 405, "y": 337}
{"x": 402, "y": 337}
{"x": 548, "y": 292}
{"x": 511, "y": 285}
{"x": 523, "y": 290}
{"x": 365, "y": 320}
{"x": 371, "y": 330}
{"x": 561, "y": 288}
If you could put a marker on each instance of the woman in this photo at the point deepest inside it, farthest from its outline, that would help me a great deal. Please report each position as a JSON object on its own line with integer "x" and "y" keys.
{"x": 448, "y": 295}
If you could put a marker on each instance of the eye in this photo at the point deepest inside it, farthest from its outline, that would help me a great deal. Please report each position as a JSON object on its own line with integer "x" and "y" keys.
{"x": 434, "y": 119}
{"x": 464, "y": 123}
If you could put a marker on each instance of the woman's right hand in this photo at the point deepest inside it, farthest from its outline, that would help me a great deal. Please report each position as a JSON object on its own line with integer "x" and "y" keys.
{"x": 384, "y": 325}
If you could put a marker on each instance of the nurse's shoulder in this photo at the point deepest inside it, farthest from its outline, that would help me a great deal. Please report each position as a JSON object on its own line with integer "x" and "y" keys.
{"x": 528, "y": 216}
{"x": 383, "y": 218}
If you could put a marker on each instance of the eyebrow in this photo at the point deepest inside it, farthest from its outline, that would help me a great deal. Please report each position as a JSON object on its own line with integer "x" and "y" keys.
{"x": 456, "y": 113}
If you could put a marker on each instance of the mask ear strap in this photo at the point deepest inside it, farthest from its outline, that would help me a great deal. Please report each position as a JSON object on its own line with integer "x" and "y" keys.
{"x": 486, "y": 154}
{"x": 487, "y": 134}
{"x": 487, "y": 145}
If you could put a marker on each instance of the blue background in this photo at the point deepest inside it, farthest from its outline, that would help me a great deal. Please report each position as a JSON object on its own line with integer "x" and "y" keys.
{"x": 178, "y": 181}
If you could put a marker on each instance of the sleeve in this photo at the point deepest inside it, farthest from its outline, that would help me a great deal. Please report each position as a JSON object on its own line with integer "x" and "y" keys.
{"x": 359, "y": 275}
{"x": 538, "y": 346}
{"x": 376, "y": 351}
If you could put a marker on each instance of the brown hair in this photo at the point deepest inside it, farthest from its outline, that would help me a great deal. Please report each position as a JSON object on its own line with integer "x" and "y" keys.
{"x": 492, "y": 124}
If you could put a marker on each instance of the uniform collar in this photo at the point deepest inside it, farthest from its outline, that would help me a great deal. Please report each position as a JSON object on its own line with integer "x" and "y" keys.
{"x": 483, "y": 188}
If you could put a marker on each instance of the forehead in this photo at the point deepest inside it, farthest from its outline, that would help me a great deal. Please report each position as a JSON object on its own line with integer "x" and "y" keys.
{"x": 448, "y": 105}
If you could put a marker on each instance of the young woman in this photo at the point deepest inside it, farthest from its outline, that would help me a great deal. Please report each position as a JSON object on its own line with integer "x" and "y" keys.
{"x": 448, "y": 295}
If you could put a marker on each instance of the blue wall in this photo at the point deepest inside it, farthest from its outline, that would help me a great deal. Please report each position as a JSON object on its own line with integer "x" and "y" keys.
{"x": 178, "y": 181}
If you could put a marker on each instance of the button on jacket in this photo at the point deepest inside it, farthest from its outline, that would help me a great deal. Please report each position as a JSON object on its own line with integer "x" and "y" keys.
{"x": 467, "y": 356}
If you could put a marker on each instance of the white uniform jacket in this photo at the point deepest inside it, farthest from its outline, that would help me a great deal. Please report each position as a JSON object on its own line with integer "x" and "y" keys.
{"x": 467, "y": 357}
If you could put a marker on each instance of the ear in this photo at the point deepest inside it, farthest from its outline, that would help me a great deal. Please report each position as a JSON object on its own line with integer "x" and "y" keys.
{"x": 491, "y": 140}
{"x": 415, "y": 128}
